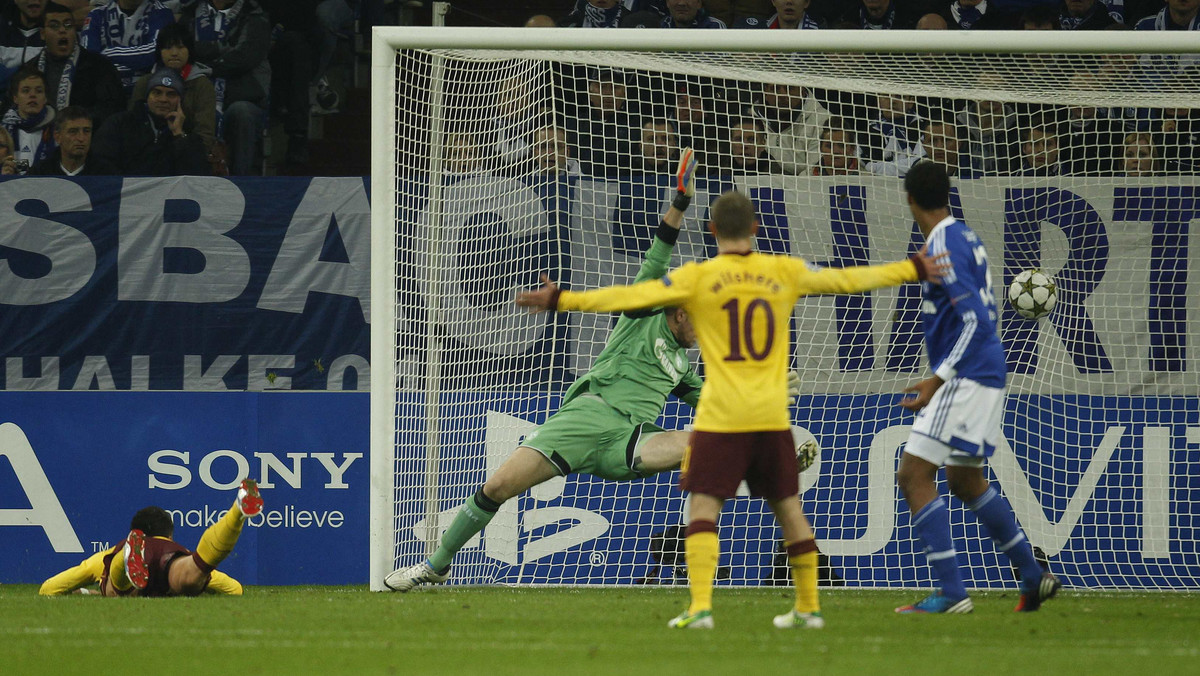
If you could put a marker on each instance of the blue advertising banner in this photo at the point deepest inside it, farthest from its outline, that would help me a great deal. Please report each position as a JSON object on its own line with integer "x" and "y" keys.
{"x": 188, "y": 283}
{"x": 75, "y": 466}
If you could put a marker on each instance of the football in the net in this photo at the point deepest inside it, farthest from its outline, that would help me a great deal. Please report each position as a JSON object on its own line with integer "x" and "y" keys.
{"x": 1032, "y": 294}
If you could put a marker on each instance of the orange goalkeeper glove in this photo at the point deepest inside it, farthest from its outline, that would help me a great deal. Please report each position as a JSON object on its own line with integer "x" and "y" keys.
{"x": 685, "y": 180}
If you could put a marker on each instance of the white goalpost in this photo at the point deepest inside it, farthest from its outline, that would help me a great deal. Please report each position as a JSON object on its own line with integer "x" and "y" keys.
{"x": 501, "y": 154}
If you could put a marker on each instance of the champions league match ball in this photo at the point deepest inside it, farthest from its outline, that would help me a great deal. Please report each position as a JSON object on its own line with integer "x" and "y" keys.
{"x": 1032, "y": 294}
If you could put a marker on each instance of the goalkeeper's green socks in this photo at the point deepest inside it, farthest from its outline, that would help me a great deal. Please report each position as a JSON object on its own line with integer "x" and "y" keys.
{"x": 802, "y": 559}
{"x": 474, "y": 516}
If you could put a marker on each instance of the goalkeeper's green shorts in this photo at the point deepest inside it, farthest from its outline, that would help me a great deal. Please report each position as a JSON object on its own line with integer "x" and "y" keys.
{"x": 588, "y": 436}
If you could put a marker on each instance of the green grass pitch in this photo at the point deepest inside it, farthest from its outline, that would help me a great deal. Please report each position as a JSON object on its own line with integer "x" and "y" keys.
{"x": 496, "y": 631}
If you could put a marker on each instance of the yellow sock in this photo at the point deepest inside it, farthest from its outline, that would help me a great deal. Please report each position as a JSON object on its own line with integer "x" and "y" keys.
{"x": 702, "y": 550}
{"x": 804, "y": 575}
{"x": 116, "y": 572}
{"x": 218, "y": 541}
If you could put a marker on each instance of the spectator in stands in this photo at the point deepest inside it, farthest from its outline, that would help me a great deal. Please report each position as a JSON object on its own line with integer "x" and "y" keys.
{"x": 233, "y": 37}
{"x": 1084, "y": 15}
{"x": 551, "y": 153}
{"x": 523, "y": 103}
{"x": 72, "y": 157}
{"x": 789, "y": 15}
{"x": 608, "y": 13}
{"x": 293, "y": 60}
{"x": 792, "y": 118}
{"x": 30, "y": 121}
{"x": 125, "y": 31}
{"x": 694, "y": 114}
{"x": 1141, "y": 155}
{"x": 8, "y": 162}
{"x": 173, "y": 49}
{"x": 747, "y": 148}
{"x": 976, "y": 15}
{"x": 689, "y": 14}
{"x": 76, "y": 77}
{"x": 1178, "y": 15}
{"x": 20, "y": 36}
{"x": 839, "y": 151}
{"x": 735, "y": 12}
{"x": 154, "y": 138}
{"x": 603, "y": 126}
{"x": 464, "y": 155}
{"x": 540, "y": 21}
{"x": 940, "y": 139}
{"x": 991, "y": 134}
{"x": 1179, "y": 132}
{"x": 1092, "y": 135}
{"x": 879, "y": 15}
{"x": 1039, "y": 148}
{"x": 932, "y": 22}
{"x": 890, "y": 144}
{"x": 1038, "y": 18}
{"x": 657, "y": 148}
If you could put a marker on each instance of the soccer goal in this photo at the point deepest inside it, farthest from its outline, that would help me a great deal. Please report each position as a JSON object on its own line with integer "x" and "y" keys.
{"x": 502, "y": 154}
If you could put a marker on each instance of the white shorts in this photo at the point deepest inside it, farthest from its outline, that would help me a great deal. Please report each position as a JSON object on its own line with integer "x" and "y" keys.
{"x": 960, "y": 425}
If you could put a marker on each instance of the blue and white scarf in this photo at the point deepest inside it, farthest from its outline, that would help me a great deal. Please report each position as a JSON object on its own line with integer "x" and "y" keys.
{"x": 889, "y": 18}
{"x": 213, "y": 25}
{"x": 594, "y": 17}
{"x": 62, "y": 97}
{"x": 966, "y": 17}
{"x": 1162, "y": 22}
{"x": 43, "y": 122}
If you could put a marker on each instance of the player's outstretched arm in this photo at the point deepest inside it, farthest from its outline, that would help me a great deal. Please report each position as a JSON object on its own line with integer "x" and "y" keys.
{"x": 544, "y": 299}
{"x": 685, "y": 188}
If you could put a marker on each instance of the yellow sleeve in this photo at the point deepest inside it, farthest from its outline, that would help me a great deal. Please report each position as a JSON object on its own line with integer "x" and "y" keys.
{"x": 669, "y": 290}
{"x": 854, "y": 279}
{"x": 220, "y": 583}
{"x": 87, "y": 572}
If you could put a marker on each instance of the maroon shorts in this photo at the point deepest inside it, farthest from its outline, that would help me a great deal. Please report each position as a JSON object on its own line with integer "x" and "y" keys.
{"x": 716, "y": 462}
{"x": 159, "y": 555}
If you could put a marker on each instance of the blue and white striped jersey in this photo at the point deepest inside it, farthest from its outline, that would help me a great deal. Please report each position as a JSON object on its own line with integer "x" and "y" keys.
{"x": 959, "y": 315}
{"x": 127, "y": 40}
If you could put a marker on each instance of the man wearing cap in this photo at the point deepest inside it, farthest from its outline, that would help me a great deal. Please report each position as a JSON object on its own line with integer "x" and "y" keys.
{"x": 152, "y": 139}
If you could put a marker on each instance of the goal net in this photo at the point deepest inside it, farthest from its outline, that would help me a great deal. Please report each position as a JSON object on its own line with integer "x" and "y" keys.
{"x": 504, "y": 154}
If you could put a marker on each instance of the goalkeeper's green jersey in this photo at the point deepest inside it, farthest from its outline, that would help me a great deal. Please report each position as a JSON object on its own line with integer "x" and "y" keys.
{"x": 642, "y": 362}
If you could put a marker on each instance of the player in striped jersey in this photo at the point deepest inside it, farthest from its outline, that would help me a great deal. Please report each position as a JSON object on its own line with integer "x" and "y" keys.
{"x": 960, "y": 408}
{"x": 740, "y": 302}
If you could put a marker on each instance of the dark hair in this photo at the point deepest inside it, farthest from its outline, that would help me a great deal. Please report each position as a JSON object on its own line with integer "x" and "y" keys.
{"x": 733, "y": 215}
{"x": 55, "y": 8}
{"x": 71, "y": 113}
{"x": 173, "y": 35}
{"x": 928, "y": 185}
{"x": 154, "y": 522}
{"x": 1039, "y": 15}
{"x": 24, "y": 73}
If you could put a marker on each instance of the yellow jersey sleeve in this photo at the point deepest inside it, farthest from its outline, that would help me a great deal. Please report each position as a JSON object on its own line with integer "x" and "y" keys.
{"x": 853, "y": 279}
{"x": 672, "y": 289}
{"x": 89, "y": 571}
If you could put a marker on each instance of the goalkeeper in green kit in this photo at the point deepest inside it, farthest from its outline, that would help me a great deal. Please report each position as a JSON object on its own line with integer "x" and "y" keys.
{"x": 604, "y": 426}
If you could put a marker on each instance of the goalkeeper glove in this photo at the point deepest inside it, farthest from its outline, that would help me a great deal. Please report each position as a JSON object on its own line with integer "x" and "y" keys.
{"x": 685, "y": 180}
{"x": 793, "y": 385}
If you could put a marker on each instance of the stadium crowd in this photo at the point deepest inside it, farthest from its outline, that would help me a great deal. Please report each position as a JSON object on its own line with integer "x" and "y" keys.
{"x": 608, "y": 121}
{"x": 164, "y": 87}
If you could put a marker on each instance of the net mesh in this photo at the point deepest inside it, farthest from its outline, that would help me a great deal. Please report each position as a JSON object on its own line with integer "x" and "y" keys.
{"x": 515, "y": 163}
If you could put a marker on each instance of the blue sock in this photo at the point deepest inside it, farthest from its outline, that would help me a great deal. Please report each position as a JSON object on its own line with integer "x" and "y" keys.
{"x": 994, "y": 512}
{"x": 932, "y": 524}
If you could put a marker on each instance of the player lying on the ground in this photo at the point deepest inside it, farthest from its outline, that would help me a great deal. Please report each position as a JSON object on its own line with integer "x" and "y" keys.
{"x": 604, "y": 426}
{"x": 960, "y": 408}
{"x": 149, "y": 563}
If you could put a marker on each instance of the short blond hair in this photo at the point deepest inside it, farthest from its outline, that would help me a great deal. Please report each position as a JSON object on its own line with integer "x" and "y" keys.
{"x": 733, "y": 215}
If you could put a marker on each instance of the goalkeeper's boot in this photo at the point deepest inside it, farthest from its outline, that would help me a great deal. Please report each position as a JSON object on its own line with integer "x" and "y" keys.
{"x": 939, "y": 603}
{"x": 1032, "y": 595}
{"x": 422, "y": 573}
{"x": 796, "y": 619}
{"x": 135, "y": 559}
{"x": 701, "y": 619}
{"x": 248, "y": 499}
